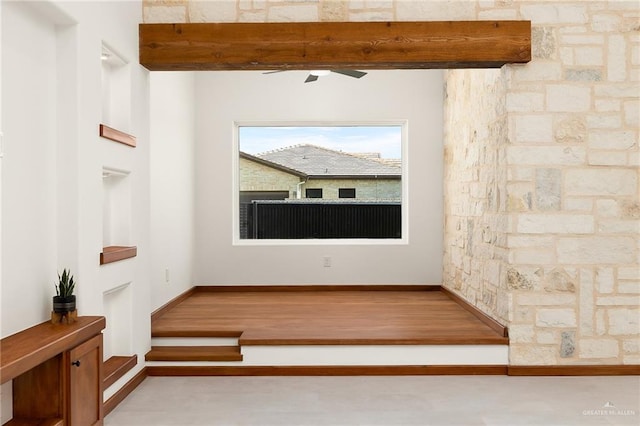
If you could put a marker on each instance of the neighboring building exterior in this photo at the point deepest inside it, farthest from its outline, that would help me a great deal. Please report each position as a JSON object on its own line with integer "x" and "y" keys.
{"x": 309, "y": 171}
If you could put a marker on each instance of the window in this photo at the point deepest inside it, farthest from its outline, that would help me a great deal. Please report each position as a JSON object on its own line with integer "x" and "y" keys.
{"x": 301, "y": 181}
{"x": 347, "y": 193}
{"x": 313, "y": 193}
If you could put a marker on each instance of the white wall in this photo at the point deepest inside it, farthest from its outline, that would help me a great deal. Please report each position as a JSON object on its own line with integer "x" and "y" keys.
{"x": 172, "y": 184}
{"x": 225, "y": 97}
{"x": 29, "y": 192}
{"x": 52, "y": 170}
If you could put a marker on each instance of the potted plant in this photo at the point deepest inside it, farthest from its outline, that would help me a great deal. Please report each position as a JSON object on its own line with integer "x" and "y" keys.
{"x": 64, "y": 302}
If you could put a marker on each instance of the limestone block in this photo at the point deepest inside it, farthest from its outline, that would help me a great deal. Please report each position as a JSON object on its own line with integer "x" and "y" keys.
{"x": 568, "y": 98}
{"x": 601, "y": 326}
{"x": 548, "y": 189}
{"x": 629, "y": 227}
{"x": 624, "y": 321}
{"x": 547, "y": 299}
{"x": 599, "y": 348}
{"x": 371, "y": 15}
{"x": 579, "y": 74}
{"x": 336, "y": 10}
{"x": 555, "y": 223}
{"x": 612, "y": 139}
{"x": 631, "y": 346}
{"x": 588, "y": 56}
{"x": 545, "y": 337}
{"x": 546, "y": 155}
{"x": 608, "y": 105}
{"x": 531, "y": 257}
{"x": 530, "y": 241}
{"x": 213, "y": 11}
{"x": 607, "y": 158}
{"x": 519, "y": 197}
{"x": 567, "y": 344}
{"x": 524, "y": 102}
{"x": 604, "y": 121}
{"x": 293, "y": 13}
{"x": 521, "y": 280}
{"x": 596, "y": 250}
{"x": 559, "y": 281}
{"x": 605, "y": 22}
{"x": 618, "y": 301}
{"x": 554, "y": 13}
{"x": 601, "y": 182}
{"x": 504, "y": 14}
{"x": 556, "y": 318}
{"x": 635, "y": 56}
{"x": 607, "y": 208}
{"x": 605, "y": 280}
{"x": 533, "y": 128}
{"x": 543, "y": 42}
{"x": 578, "y": 204}
{"x": 631, "y": 360}
{"x": 586, "y": 302}
{"x": 523, "y": 354}
{"x": 618, "y": 90}
{"x": 252, "y": 16}
{"x": 165, "y": 14}
{"x": 379, "y": 4}
{"x": 537, "y": 71}
{"x": 521, "y": 333}
{"x": 616, "y": 58}
{"x": 436, "y": 10}
{"x": 632, "y": 113}
{"x": 629, "y": 273}
{"x": 582, "y": 39}
{"x": 571, "y": 130}
{"x": 630, "y": 209}
{"x": 629, "y": 287}
{"x": 566, "y": 56}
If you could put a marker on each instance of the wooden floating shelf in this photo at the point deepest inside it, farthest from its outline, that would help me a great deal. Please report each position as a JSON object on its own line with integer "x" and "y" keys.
{"x": 116, "y": 367}
{"x": 112, "y": 254}
{"x": 117, "y": 136}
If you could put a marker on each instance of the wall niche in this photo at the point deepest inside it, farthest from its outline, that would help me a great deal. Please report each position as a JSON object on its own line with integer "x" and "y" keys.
{"x": 116, "y": 216}
{"x": 116, "y": 97}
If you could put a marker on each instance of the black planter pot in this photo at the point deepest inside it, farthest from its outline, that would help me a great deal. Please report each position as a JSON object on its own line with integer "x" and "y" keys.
{"x": 62, "y": 305}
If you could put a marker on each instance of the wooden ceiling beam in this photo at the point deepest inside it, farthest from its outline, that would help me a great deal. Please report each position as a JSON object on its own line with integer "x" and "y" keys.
{"x": 334, "y": 45}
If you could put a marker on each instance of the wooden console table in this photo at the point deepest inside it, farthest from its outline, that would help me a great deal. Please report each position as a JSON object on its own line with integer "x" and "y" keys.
{"x": 57, "y": 373}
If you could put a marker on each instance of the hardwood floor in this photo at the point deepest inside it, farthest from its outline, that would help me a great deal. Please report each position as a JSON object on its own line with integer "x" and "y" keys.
{"x": 326, "y": 317}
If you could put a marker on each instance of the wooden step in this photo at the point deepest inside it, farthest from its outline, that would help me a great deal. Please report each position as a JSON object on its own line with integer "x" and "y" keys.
{"x": 35, "y": 422}
{"x": 116, "y": 367}
{"x": 194, "y": 353}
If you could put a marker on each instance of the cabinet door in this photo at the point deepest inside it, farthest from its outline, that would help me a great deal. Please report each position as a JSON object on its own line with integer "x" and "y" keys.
{"x": 85, "y": 383}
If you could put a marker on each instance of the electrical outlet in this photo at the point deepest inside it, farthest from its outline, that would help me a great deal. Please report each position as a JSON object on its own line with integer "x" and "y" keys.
{"x": 326, "y": 261}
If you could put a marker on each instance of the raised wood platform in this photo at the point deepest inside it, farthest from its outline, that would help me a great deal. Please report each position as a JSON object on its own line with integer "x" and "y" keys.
{"x": 316, "y": 315}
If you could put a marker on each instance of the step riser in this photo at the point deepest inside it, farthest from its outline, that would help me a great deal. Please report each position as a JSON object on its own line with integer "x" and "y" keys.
{"x": 361, "y": 356}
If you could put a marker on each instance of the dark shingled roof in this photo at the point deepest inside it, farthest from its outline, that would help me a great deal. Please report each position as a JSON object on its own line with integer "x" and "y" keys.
{"x": 323, "y": 162}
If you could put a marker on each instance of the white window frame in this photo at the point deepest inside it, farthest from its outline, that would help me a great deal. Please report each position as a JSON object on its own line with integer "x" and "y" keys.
{"x": 235, "y": 185}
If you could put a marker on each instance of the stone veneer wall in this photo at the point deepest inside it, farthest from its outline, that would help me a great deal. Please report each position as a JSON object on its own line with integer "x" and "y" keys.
{"x": 475, "y": 179}
{"x": 546, "y": 236}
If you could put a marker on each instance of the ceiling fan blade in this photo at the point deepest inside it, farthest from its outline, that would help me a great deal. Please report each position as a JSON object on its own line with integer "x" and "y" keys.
{"x": 351, "y": 73}
{"x": 273, "y": 72}
{"x": 311, "y": 78}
